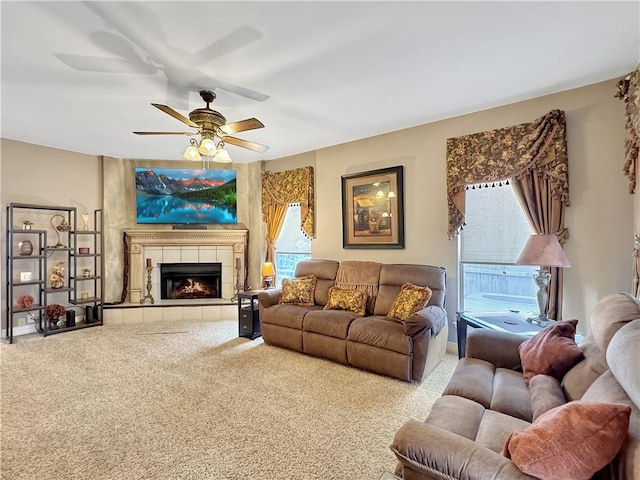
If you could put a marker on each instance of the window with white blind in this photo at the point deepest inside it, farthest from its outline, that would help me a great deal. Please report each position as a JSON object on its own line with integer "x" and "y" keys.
{"x": 292, "y": 245}
{"x": 495, "y": 231}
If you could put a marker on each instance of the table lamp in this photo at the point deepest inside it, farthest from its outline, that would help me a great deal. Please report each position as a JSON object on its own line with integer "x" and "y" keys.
{"x": 543, "y": 251}
{"x": 267, "y": 275}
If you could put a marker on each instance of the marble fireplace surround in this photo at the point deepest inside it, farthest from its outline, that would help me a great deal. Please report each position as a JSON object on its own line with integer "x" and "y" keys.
{"x": 183, "y": 246}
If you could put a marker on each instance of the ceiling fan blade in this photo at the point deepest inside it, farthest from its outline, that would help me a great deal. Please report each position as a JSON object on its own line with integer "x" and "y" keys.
{"x": 256, "y": 147}
{"x": 242, "y": 125}
{"x": 166, "y": 133}
{"x": 174, "y": 114}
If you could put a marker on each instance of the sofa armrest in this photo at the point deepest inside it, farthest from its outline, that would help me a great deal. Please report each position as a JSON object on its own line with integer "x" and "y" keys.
{"x": 269, "y": 297}
{"x": 432, "y": 317}
{"x": 499, "y": 348}
{"x": 437, "y": 453}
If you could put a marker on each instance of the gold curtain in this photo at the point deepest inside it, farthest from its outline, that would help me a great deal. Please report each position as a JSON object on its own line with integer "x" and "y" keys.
{"x": 533, "y": 156}
{"x": 629, "y": 92}
{"x": 279, "y": 189}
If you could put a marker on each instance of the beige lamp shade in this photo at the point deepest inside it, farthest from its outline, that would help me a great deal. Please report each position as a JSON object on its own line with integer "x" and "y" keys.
{"x": 267, "y": 269}
{"x": 544, "y": 251}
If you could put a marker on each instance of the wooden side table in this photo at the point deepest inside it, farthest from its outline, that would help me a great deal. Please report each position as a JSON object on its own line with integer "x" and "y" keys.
{"x": 248, "y": 315}
{"x": 512, "y": 322}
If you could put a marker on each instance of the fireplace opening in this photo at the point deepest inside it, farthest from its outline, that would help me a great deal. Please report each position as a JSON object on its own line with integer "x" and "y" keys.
{"x": 190, "y": 280}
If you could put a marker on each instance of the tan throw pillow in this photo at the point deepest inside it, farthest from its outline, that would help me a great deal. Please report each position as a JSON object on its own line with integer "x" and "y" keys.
{"x": 347, "y": 299}
{"x": 299, "y": 291}
{"x": 410, "y": 299}
{"x": 570, "y": 442}
{"x": 552, "y": 351}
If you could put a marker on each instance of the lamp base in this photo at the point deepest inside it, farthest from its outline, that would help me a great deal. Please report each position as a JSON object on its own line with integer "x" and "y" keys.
{"x": 268, "y": 283}
{"x": 540, "y": 320}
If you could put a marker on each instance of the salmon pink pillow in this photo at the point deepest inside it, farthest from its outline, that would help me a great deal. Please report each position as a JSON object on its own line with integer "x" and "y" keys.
{"x": 570, "y": 442}
{"x": 552, "y": 351}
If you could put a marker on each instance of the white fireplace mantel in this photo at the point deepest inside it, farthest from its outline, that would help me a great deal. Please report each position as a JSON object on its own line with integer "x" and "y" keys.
{"x": 140, "y": 241}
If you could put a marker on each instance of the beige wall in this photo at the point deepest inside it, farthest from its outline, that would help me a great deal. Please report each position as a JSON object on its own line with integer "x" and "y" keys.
{"x": 46, "y": 176}
{"x": 599, "y": 220}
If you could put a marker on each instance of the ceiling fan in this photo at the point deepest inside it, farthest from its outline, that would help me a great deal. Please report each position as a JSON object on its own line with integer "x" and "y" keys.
{"x": 211, "y": 125}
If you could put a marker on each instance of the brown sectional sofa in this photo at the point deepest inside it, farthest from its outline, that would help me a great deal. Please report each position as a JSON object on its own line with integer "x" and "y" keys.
{"x": 487, "y": 399}
{"x": 372, "y": 342}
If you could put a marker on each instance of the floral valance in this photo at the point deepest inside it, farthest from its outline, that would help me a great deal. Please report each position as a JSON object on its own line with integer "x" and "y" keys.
{"x": 291, "y": 186}
{"x": 629, "y": 92}
{"x": 488, "y": 158}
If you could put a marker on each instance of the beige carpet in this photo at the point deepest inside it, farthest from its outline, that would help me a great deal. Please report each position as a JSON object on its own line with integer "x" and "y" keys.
{"x": 194, "y": 401}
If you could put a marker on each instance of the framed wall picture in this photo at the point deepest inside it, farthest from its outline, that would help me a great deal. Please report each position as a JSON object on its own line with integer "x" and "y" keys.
{"x": 373, "y": 209}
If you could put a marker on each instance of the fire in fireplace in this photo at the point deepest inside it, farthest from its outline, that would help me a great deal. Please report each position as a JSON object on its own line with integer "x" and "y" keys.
{"x": 190, "y": 280}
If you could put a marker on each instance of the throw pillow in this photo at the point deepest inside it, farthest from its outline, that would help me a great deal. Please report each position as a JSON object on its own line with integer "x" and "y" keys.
{"x": 552, "y": 351}
{"x": 348, "y": 299}
{"x": 410, "y": 299}
{"x": 299, "y": 291}
{"x": 570, "y": 442}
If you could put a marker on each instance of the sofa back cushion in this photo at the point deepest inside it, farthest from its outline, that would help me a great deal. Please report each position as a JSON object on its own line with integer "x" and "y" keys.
{"x": 360, "y": 275}
{"x": 393, "y": 276}
{"x": 609, "y": 315}
{"x": 325, "y": 273}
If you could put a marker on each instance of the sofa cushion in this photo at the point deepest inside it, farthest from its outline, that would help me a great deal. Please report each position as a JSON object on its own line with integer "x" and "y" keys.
{"x": 552, "y": 351}
{"x": 334, "y": 323}
{"x": 570, "y": 442}
{"x": 299, "y": 291}
{"x": 393, "y": 276}
{"x": 498, "y": 389}
{"x": 348, "y": 299}
{"x": 380, "y": 332}
{"x": 325, "y": 273}
{"x": 609, "y": 315}
{"x": 287, "y": 315}
{"x": 360, "y": 275}
{"x": 409, "y": 300}
{"x": 546, "y": 393}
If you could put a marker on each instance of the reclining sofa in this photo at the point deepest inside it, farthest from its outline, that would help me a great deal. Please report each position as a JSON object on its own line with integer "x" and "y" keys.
{"x": 487, "y": 402}
{"x": 371, "y": 341}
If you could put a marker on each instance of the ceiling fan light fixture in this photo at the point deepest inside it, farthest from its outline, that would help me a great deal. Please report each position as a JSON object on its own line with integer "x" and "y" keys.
{"x": 207, "y": 146}
{"x": 191, "y": 153}
{"x": 222, "y": 156}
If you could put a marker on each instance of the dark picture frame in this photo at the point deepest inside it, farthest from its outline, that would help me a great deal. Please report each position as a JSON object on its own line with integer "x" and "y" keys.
{"x": 373, "y": 209}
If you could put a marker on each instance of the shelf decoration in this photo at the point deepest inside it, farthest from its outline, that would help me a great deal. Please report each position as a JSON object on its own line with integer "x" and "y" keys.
{"x": 62, "y": 227}
{"x": 25, "y": 248}
{"x": 26, "y": 225}
{"x": 55, "y": 312}
{"x": 56, "y": 277}
{"x": 25, "y": 301}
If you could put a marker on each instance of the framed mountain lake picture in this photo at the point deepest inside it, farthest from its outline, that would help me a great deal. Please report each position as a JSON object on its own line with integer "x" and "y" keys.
{"x": 182, "y": 196}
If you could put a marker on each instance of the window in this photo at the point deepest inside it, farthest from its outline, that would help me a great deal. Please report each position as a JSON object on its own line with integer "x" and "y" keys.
{"x": 292, "y": 245}
{"x": 496, "y": 230}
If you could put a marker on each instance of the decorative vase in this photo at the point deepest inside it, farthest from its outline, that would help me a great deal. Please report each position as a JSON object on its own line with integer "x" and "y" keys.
{"x": 26, "y": 226}
{"x": 55, "y": 284}
{"x": 25, "y": 247}
{"x": 61, "y": 323}
{"x": 53, "y": 323}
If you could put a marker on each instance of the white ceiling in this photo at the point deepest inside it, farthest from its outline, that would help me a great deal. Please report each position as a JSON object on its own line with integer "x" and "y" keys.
{"x": 318, "y": 73}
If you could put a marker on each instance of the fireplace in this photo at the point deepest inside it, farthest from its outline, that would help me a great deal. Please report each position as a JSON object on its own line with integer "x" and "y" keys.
{"x": 190, "y": 280}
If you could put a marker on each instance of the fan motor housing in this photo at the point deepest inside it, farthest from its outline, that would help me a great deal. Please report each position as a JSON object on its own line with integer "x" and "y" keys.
{"x": 207, "y": 119}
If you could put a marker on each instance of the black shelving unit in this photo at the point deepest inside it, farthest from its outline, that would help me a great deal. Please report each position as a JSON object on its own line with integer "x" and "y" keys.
{"x": 39, "y": 263}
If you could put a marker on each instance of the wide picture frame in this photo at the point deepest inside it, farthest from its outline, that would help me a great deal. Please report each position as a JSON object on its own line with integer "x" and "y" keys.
{"x": 373, "y": 209}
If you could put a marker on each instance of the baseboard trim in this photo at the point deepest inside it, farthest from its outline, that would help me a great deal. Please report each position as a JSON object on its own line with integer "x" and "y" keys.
{"x": 452, "y": 347}
{"x": 21, "y": 330}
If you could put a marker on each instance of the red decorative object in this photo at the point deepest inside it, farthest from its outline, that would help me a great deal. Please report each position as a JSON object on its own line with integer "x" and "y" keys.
{"x": 25, "y": 301}
{"x": 55, "y": 311}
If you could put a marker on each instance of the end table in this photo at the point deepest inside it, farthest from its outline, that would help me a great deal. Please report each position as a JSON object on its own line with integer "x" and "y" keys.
{"x": 248, "y": 315}
{"x": 513, "y": 322}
